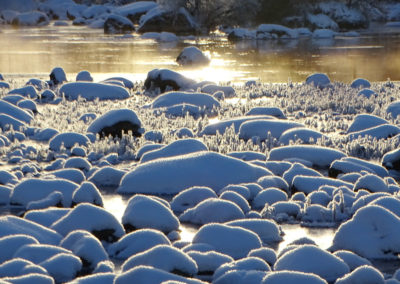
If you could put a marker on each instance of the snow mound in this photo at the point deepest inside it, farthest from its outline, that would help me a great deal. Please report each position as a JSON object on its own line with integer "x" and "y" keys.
{"x": 352, "y": 260}
{"x": 233, "y": 241}
{"x": 37, "y": 189}
{"x": 116, "y": 121}
{"x": 212, "y": 210}
{"x": 318, "y": 79}
{"x": 267, "y": 230}
{"x": 268, "y": 196}
{"x": 91, "y": 91}
{"x": 68, "y": 140}
{"x": 137, "y": 242}
{"x": 146, "y": 212}
{"x": 15, "y": 112}
{"x": 372, "y": 183}
{"x": 263, "y": 128}
{"x": 272, "y": 111}
{"x": 147, "y": 274}
{"x": 11, "y": 243}
{"x": 363, "y": 274}
{"x": 383, "y": 131}
{"x": 307, "y": 136}
{"x": 178, "y": 173}
{"x": 351, "y": 164}
{"x": 165, "y": 79}
{"x": 87, "y": 192}
{"x": 312, "y": 259}
{"x": 47, "y": 216}
{"x": 34, "y": 18}
{"x": 376, "y": 233}
{"x": 178, "y": 147}
{"x": 292, "y": 277}
{"x": 318, "y": 156}
{"x": 163, "y": 257}
{"x": 91, "y": 218}
{"x": 107, "y": 176}
{"x": 308, "y": 184}
{"x": 190, "y": 197}
{"x": 208, "y": 262}
{"x": 360, "y": 83}
{"x": 393, "y": 109}
{"x": 63, "y": 267}
{"x": 192, "y": 56}
{"x": 19, "y": 267}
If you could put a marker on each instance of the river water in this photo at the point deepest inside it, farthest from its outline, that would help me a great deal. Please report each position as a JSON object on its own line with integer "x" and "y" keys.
{"x": 36, "y": 51}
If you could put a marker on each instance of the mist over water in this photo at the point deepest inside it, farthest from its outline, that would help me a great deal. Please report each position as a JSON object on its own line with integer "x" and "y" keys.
{"x": 37, "y": 50}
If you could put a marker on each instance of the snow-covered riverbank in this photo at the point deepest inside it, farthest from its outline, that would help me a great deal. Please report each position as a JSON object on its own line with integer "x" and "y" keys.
{"x": 235, "y": 162}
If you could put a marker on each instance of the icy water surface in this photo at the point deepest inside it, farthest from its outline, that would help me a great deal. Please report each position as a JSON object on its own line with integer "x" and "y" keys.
{"x": 38, "y": 50}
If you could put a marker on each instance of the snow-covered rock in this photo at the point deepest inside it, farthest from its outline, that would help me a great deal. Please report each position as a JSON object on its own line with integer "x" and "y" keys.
{"x": 68, "y": 140}
{"x": 268, "y": 196}
{"x": 36, "y": 189}
{"x": 383, "y": 131}
{"x": 116, "y": 24}
{"x": 318, "y": 156}
{"x": 192, "y": 56}
{"x": 163, "y": 257}
{"x": 292, "y": 277}
{"x": 318, "y": 79}
{"x": 267, "y": 230}
{"x": 26, "y": 91}
{"x": 107, "y": 176}
{"x": 87, "y": 192}
{"x": 308, "y": 184}
{"x": 11, "y": 225}
{"x": 178, "y": 173}
{"x": 267, "y": 31}
{"x": 135, "y": 10}
{"x": 363, "y": 274}
{"x": 84, "y": 76}
{"x": 360, "y": 83}
{"x": 91, "y": 218}
{"x": 91, "y": 91}
{"x": 393, "y": 109}
{"x": 146, "y": 212}
{"x": 10, "y": 244}
{"x": 190, "y": 197}
{"x": 352, "y": 260}
{"x": 63, "y": 267}
{"x": 371, "y": 183}
{"x": 351, "y": 164}
{"x": 137, "y": 242}
{"x": 33, "y": 18}
{"x": 307, "y": 136}
{"x": 115, "y": 122}
{"x": 272, "y": 111}
{"x": 19, "y": 267}
{"x": 371, "y": 233}
{"x": 58, "y": 76}
{"x": 165, "y": 79}
{"x": 263, "y": 129}
{"x": 15, "y": 112}
{"x": 312, "y": 259}
{"x": 212, "y": 210}
{"x": 233, "y": 241}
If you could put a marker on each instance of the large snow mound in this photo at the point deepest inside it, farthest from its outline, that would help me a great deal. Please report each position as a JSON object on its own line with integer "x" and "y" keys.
{"x": 91, "y": 91}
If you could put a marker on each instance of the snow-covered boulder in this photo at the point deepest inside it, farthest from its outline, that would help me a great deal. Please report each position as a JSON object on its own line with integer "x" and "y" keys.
{"x": 135, "y": 10}
{"x": 34, "y": 18}
{"x": 312, "y": 259}
{"x": 248, "y": 156}
{"x": 91, "y": 218}
{"x": 307, "y": 136}
{"x": 292, "y": 277}
{"x": 107, "y": 176}
{"x": 208, "y": 262}
{"x": 297, "y": 169}
{"x": 87, "y": 192}
{"x": 84, "y": 245}
{"x": 273, "y": 111}
{"x": 192, "y": 56}
{"x": 204, "y": 101}
{"x": 383, "y": 131}
{"x": 68, "y": 140}
{"x": 15, "y": 112}
{"x": 212, "y": 210}
{"x": 351, "y": 164}
{"x": 146, "y": 274}
{"x": 11, "y": 243}
{"x": 212, "y": 89}
{"x": 367, "y": 93}
{"x": 371, "y": 233}
{"x": 165, "y": 79}
{"x": 190, "y": 197}
{"x": 6, "y": 122}
{"x": 321, "y": 21}
{"x": 308, "y": 184}
{"x": 233, "y": 241}
{"x": 352, "y": 260}
{"x": 263, "y": 129}
{"x": 318, "y": 80}
{"x": 223, "y": 125}
{"x": 319, "y": 156}
{"x": 360, "y": 83}
{"x": 137, "y": 242}
{"x": 365, "y": 121}
{"x": 163, "y": 257}
{"x": 37, "y": 189}
{"x": 63, "y": 267}
{"x": 47, "y": 216}
{"x": 393, "y": 109}
{"x": 245, "y": 264}
{"x": 58, "y": 76}
{"x": 199, "y": 169}
{"x": 26, "y": 91}
{"x": 146, "y": 212}
{"x": 178, "y": 147}
{"x": 323, "y": 34}
{"x": 268, "y": 196}
{"x": 116, "y": 24}
{"x": 11, "y": 225}
{"x": 371, "y": 183}
{"x": 273, "y": 31}
{"x": 19, "y": 267}
{"x": 347, "y": 17}
{"x": 91, "y": 91}
{"x": 161, "y": 20}
{"x": 267, "y": 230}
{"x": 363, "y": 274}
{"x": 115, "y": 122}
{"x": 84, "y": 76}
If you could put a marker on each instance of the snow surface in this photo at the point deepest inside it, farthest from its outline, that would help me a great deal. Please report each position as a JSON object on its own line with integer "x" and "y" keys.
{"x": 91, "y": 91}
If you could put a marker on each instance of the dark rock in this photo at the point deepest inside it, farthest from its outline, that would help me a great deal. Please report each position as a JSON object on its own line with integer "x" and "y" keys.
{"x": 158, "y": 20}
{"x": 166, "y": 79}
{"x": 116, "y": 24}
{"x": 58, "y": 76}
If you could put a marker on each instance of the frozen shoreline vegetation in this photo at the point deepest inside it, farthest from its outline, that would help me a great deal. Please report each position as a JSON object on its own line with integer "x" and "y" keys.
{"x": 165, "y": 20}
{"x": 235, "y": 167}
